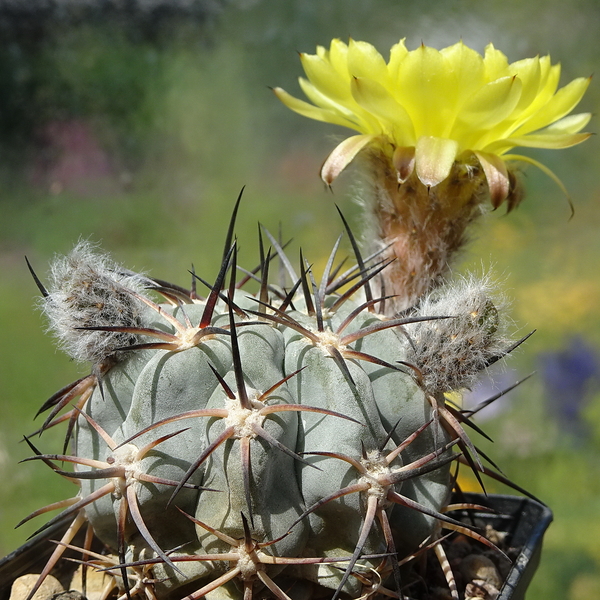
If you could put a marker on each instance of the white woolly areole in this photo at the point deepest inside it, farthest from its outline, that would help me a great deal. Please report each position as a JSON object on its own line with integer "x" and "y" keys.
{"x": 376, "y": 467}
{"x": 88, "y": 289}
{"x": 127, "y": 457}
{"x": 328, "y": 338}
{"x": 242, "y": 419}
{"x": 249, "y": 563}
{"x": 451, "y": 352}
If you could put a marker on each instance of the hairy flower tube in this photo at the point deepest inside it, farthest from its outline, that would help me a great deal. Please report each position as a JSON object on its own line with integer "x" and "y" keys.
{"x": 436, "y": 128}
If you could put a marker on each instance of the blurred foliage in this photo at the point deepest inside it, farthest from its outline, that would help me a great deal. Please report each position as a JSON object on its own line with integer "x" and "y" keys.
{"x": 68, "y": 58}
{"x": 140, "y": 134}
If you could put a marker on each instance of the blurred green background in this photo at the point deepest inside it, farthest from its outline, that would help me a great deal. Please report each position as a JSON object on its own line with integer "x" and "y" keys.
{"x": 136, "y": 124}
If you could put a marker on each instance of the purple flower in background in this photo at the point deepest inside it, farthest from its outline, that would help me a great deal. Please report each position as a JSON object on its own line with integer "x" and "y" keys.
{"x": 569, "y": 375}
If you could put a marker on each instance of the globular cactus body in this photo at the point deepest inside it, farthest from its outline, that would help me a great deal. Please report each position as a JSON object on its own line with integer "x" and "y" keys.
{"x": 296, "y": 431}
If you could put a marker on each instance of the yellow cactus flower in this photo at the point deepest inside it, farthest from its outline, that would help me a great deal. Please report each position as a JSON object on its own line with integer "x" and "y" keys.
{"x": 427, "y": 109}
{"x": 435, "y": 131}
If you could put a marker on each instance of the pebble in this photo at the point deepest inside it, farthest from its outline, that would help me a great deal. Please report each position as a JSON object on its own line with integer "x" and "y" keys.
{"x": 69, "y": 595}
{"x": 96, "y": 582}
{"x": 24, "y": 584}
{"x": 481, "y": 568}
{"x": 480, "y": 590}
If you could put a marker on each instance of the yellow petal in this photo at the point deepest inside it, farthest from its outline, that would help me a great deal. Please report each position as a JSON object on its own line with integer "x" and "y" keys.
{"x": 324, "y": 77}
{"x": 342, "y": 156}
{"x": 434, "y": 158}
{"x": 540, "y": 140}
{"x": 350, "y": 112}
{"x": 338, "y": 56}
{"x": 549, "y": 82}
{"x": 425, "y": 82}
{"x": 492, "y": 103}
{"x": 561, "y": 104}
{"x": 497, "y": 176}
{"x": 375, "y": 99}
{"x": 529, "y": 73}
{"x": 398, "y": 53}
{"x": 308, "y": 110}
{"x": 466, "y": 69}
{"x": 495, "y": 63}
{"x": 549, "y": 78}
{"x": 365, "y": 61}
{"x": 324, "y": 101}
{"x": 570, "y": 124}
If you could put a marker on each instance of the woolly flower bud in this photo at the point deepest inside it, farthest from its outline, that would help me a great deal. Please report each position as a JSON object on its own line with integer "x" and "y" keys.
{"x": 87, "y": 289}
{"x": 451, "y": 352}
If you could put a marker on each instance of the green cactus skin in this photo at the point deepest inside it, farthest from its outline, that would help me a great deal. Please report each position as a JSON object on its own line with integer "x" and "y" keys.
{"x": 293, "y": 430}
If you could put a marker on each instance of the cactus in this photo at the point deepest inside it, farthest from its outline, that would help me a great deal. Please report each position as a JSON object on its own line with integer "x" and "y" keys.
{"x": 296, "y": 443}
{"x": 295, "y": 440}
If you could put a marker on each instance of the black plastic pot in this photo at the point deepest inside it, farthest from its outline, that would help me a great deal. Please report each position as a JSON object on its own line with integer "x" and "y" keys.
{"x": 523, "y": 520}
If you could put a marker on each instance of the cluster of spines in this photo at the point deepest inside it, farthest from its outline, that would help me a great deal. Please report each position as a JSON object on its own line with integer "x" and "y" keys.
{"x": 186, "y": 335}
